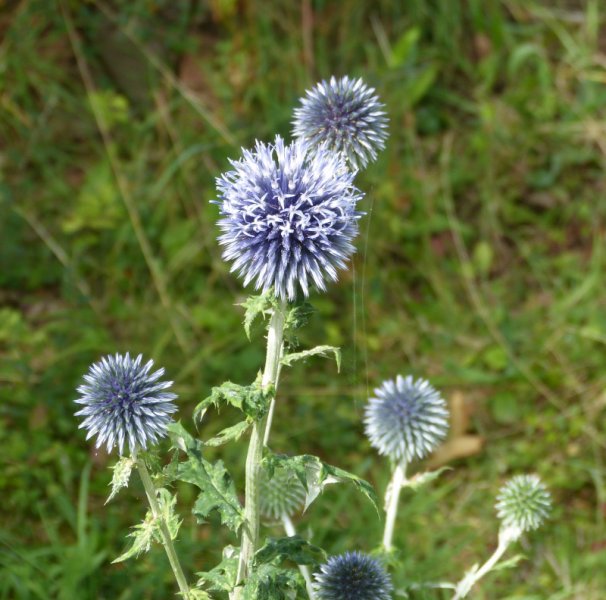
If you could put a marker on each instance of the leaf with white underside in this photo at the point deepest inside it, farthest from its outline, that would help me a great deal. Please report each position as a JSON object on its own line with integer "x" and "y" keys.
{"x": 315, "y": 475}
{"x": 322, "y": 351}
{"x": 217, "y": 489}
{"x": 122, "y": 470}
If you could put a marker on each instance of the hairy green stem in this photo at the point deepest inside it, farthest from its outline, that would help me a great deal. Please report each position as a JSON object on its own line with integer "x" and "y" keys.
{"x": 167, "y": 542}
{"x": 250, "y": 530}
{"x": 398, "y": 480}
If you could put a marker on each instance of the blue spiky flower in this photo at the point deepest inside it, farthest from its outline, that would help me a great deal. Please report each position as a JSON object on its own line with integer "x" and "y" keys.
{"x": 281, "y": 495}
{"x": 406, "y": 419}
{"x": 288, "y": 217}
{"x": 523, "y": 503}
{"x": 353, "y": 576}
{"x": 345, "y": 114}
{"x": 124, "y": 401}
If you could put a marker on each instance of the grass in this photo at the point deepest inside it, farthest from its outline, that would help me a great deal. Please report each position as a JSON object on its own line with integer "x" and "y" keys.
{"x": 480, "y": 266}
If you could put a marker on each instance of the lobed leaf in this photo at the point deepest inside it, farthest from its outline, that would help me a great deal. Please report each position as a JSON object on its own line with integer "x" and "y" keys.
{"x": 217, "y": 489}
{"x": 252, "y": 400}
{"x": 256, "y": 306}
{"x": 269, "y": 582}
{"x": 293, "y": 549}
{"x": 228, "y": 434}
{"x": 315, "y": 475}
{"x": 122, "y": 470}
{"x": 222, "y": 578}
{"x": 289, "y": 359}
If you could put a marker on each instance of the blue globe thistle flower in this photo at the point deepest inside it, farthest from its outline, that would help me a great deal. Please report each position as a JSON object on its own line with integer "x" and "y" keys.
{"x": 288, "y": 217}
{"x": 345, "y": 114}
{"x": 353, "y": 576}
{"x": 125, "y": 402}
{"x": 523, "y": 503}
{"x": 407, "y": 419}
{"x": 283, "y": 494}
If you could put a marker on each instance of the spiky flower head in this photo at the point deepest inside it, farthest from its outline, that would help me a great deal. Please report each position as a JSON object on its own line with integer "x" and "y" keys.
{"x": 281, "y": 495}
{"x": 345, "y": 114}
{"x": 406, "y": 419}
{"x": 523, "y": 503}
{"x": 353, "y": 576}
{"x": 124, "y": 401}
{"x": 288, "y": 217}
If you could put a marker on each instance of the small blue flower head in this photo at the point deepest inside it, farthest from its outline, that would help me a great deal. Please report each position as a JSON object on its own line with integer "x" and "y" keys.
{"x": 346, "y": 115}
{"x": 523, "y": 503}
{"x": 353, "y": 576}
{"x": 281, "y": 495}
{"x": 125, "y": 402}
{"x": 288, "y": 217}
{"x": 406, "y": 419}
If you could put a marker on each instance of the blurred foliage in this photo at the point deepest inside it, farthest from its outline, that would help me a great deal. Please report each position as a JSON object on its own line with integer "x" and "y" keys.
{"x": 480, "y": 266}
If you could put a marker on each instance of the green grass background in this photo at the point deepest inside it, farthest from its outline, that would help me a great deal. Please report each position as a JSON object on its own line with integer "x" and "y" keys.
{"x": 481, "y": 265}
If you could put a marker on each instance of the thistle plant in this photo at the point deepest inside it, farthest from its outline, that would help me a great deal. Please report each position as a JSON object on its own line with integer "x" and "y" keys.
{"x": 523, "y": 504}
{"x": 405, "y": 420}
{"x": 124, "y": 401}
{"x": 289, "y": 216}
{"x": 353, "y": 576}
{"x": 347, "y": 116}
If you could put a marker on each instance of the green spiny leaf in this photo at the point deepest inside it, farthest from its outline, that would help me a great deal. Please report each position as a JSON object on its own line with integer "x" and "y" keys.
{"x": 298, "y": 316}
{"x": 315, "y": 475}
{"x": 270, "y": 582}
{"x": 197, "y": 594}
{"x": 252, "y": 400}
{"x": 122, "y": 470}
{"x": 257, "y": 306}
{"x": 289, "y": 359}
{"x": 229, "y": 433}
{"x": 223, "y": 576}
{"x": 143, "y": 534}
{"x": 293, "y": 549}
{"x": 217, "y": 489}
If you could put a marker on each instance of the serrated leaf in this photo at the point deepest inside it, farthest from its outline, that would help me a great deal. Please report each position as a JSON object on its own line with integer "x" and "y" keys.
{"x": 222, "y": 578}
{"x": 197, "y": 594}
{"x": 256, "y": 306}
{"x": 315, "y": 475}
{"x": 510, "y": 563}
{"x": 252, "y": 400}
{"x": 217, "y": 489}
{"x": 421, "y": 479}
{"x": 228, "y": 434}
{"x": 149, "y": 530}
{"x": 289, "y": 359}
{"x": 122, "y": 470}
{"x": 294, "y": 549}
{"x": 298, "y": 316}
{"x": 270, "y": 582}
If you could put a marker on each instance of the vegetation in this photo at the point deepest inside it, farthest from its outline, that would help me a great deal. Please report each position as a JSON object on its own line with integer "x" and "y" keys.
{"x": 480, "y": 267}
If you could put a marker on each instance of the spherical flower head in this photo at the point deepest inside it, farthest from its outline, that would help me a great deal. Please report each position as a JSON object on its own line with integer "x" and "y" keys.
{"x": 281, "y": 495}
{"x": 523, "y": 503}
{"x": 124, "y": 401}
{"x": 406, "y": 419}
{"x": 345, "y": 114}
{"x": 353, "y": 576}
{"x": 288, "y": 217}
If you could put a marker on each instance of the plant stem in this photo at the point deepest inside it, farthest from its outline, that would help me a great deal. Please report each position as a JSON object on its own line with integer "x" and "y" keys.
{"x": 393, "y": 495}
{"x": 465, "y": 585}
{"x": 167, "y": 542}
{"x": 290, "y": 530}
{"x": 250, "y": 531}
